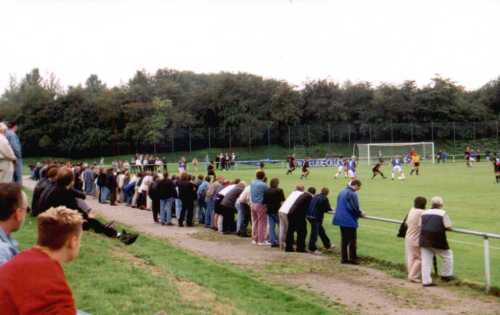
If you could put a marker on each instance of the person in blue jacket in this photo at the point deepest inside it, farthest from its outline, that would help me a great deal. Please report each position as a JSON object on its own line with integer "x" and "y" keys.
{"x": 346, "y": 217}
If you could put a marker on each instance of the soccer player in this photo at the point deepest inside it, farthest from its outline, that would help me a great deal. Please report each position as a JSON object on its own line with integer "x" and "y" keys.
{"x": 292, "y": 164}
{"x": 340, "y": 167}
{"x": 468, "y": 156}
{"x": 305, "y": 169}
{"x": 376, "y": 169}
{"x": 415, "y": 162}
{"x": 346, "y": 168}
{"x": 496, "y": 165}
{"x": 351, "y": 168}
{"x": 182, "y": 165}
{"x": 397, "y": 167}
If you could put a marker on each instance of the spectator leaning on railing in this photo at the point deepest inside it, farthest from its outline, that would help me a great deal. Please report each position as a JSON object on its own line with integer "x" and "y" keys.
{"x": 346, "y": 217}
{"x": 435, "y": 222}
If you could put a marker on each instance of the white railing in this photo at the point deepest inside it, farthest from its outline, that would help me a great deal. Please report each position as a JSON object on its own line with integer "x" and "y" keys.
{"x": 486, "y": 245}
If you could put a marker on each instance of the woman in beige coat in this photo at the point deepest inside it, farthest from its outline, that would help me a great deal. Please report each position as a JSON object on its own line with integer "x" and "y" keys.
{"x": 7, "y": 157}
{"x": 412, "y": 238}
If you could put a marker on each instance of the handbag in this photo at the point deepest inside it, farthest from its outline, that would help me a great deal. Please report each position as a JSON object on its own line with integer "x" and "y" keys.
{"x": 403, "y": 228}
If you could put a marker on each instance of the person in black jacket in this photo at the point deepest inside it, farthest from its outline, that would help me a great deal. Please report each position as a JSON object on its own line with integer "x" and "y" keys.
{"x": 297, "y": 221}
{"x": 155, "y": 198}
{"x": 228, "y": 207}
{"x": 187, "y": 195}
{"x": 112, "y": 185}
{"x": 62, "y": 194}
{"x": 48, "y": 178}
{"x": 273, "y": 198}
{"x": 167, "y": 194}
{"x": 101, "y": 184}
{"x": 315, "y": 214}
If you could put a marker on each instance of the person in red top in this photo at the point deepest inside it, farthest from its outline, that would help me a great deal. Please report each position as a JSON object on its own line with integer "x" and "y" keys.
{"x": 33, "y": 282}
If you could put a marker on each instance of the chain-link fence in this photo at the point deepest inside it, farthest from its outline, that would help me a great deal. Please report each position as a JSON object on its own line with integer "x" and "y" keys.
{"x": 324, "y": 139}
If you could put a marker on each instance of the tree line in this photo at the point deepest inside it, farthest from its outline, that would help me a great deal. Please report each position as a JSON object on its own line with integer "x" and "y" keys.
{"x": 151, "y": 108}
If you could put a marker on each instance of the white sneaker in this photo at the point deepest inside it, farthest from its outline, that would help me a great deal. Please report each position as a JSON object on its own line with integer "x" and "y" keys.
{"x": 262, "y": 244}
{"x": 267, "y": 243}
{"x": 254, "y": 242}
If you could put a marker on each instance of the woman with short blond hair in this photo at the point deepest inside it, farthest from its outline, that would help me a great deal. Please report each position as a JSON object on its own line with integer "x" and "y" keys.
{"x": 7, "y": 157}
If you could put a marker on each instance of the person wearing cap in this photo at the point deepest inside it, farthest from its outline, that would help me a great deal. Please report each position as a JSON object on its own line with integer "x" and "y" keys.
{"x": 433, "y": 241}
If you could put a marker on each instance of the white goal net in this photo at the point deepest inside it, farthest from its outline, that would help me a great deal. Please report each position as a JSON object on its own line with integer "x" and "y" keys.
{"x": 372, "y": 152}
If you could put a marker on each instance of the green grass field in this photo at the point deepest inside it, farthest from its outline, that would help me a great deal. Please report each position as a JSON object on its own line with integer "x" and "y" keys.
{"x": 109, "y": 278}
{"x": 472, "y": 200}
{"x": 152, "y": 276}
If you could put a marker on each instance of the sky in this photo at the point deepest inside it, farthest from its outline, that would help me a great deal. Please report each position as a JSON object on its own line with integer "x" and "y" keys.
{"x": 383, "y": 41}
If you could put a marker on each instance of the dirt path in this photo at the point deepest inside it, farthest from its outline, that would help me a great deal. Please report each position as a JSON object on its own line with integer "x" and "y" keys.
{"x": 361, "y": 289}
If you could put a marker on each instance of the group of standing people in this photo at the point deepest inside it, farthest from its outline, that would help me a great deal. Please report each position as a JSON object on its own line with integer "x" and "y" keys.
{"x": 225, "y": 161}
{"x": 11, "y": 159}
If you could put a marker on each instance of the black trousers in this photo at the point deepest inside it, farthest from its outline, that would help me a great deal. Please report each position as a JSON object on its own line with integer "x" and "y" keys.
{"x": 247, "y": 218}
{"x": 98, "y": 227}
{"x": 187, "y": 213}
{"x": 348, "y": 248}
{"x": 317, "y": 229}
{"x": 156, "y": 209}
{"x": 228, "y": 223}
{"x": 296, "y": 224}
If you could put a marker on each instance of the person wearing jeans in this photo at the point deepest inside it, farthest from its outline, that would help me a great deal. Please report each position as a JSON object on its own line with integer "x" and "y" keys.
{"x": 243, "y": 208}
{"x": 315, "y": 214}
{"x": 346, "y": 217}
{"x": 258, "y": 208}
{"x": 273, "y": 198}
{"x": 201, "y": 195}
{"x": 167, "y": 195}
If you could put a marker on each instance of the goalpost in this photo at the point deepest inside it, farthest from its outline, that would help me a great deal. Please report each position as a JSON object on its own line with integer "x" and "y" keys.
{"x": 374, "y": 151}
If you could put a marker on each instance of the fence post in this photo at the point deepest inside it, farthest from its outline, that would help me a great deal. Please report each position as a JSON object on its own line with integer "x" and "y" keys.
{"x": 268, "y": 137}
{"x": 349, "y": 130}
{"x": 249, "y": 138}
{"x": 496, "y": 146}
{"x": 454, "y": 139}
{"x": 432, "y": 131}
{"x": 329, "y": 137}
{"x": 230, "y": 140}
{"x": 173, "y": 139}
{"x": 209, "y": 142}
{"x": 308, "y": 135}
{"x": 411, "y": 131}
{"x": 392, "y": 133}
{"x": 189, "y": 139}
{"x": 487, "y": 273}
{"x": 370, "y": 133}
{"x": 289, "y": 140}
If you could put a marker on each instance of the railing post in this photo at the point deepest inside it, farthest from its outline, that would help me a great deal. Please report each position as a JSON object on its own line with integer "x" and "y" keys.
{"x": 487, "y": 271}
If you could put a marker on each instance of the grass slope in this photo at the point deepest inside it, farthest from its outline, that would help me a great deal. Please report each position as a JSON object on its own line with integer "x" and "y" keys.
{"x": 153, "y": 276}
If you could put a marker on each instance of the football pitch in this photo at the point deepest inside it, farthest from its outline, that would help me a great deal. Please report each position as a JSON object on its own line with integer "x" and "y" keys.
{"x": 471, "y": 197}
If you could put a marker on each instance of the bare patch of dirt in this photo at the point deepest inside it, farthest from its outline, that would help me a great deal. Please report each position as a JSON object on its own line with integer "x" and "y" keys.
{"x": 190, "y": 292}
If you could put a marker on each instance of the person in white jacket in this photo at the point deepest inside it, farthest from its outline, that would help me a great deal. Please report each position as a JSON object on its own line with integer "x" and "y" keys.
{"x": 7, "y": 157}
{"x": 283, "y": 213}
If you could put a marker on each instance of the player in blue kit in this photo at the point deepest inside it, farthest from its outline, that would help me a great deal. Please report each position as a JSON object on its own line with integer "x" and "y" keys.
{"x": 397, "y": 168}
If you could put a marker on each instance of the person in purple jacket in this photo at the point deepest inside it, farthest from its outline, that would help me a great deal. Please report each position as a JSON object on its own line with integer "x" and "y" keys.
{"x": 346, "y": 217}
